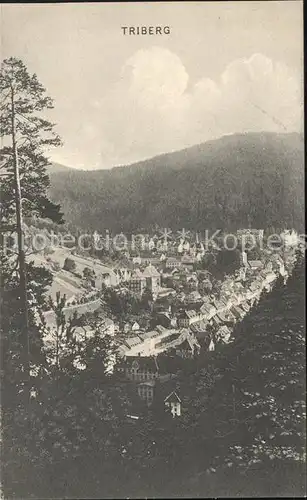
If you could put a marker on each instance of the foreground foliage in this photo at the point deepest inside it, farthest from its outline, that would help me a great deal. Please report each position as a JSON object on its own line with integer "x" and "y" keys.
{"x": 242, "y": 432}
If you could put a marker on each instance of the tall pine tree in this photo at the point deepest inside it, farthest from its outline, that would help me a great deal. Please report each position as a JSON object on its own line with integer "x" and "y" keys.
{"x": 24, "y": 100}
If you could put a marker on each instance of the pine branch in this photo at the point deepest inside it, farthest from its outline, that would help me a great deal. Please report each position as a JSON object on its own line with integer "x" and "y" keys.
{"x": 3, "y": 99}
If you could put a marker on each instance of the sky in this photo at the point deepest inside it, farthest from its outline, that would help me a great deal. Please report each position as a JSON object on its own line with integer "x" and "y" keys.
{"x": 225, "y": 67}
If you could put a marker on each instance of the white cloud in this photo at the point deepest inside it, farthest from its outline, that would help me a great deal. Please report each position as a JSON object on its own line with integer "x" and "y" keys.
{"x": 155, "y": 77}
{"x": 150, "y": 110}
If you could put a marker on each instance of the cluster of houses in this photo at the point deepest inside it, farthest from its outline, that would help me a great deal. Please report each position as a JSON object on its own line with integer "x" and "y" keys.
{"x": 139, "y": 270}
{"x": 145, "y": 268}
{"x": 197, "y": 311}
{"x": 156, "y": 341}
{"x": 153, "y": 383}
{"x": 201, "y": 319}
{"x": 209, "y": 321}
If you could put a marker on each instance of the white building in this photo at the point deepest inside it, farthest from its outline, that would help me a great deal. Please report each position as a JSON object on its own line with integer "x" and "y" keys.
{"x": 173, "y": 403}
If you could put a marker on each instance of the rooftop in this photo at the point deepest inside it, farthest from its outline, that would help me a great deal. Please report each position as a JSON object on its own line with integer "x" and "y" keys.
{"x": 219, "y": 304}
{"x": 237, "y": 311}
{"x": 151, "y": 272}
{"x": 199, "y": 327}
{"x": 255, "y": 263}
{"x": 160, "y": 363}
{"x": 224, "y": 330}
{"x": 173, "y": 396}
{"x": 226, "y": 316}
{"x": 137, "y": 274}
{"x": 150, "y": 334}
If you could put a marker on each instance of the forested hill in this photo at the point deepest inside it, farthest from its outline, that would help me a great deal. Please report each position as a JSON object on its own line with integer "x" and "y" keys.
{"x": 58, "y": 167}
{"x": 255, "y": 178}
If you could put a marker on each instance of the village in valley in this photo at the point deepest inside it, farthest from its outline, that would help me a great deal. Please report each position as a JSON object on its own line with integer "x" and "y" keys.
{"x": 152, "y": 250}
{"x": 162, "y": 303}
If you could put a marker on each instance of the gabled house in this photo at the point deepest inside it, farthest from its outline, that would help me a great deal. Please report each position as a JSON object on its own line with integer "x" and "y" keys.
{"x": 152, "y": 277}
{"x": 220, "y": 305}
{"x": 189, "y": 346}
{"x": 139, "y": 368}
{"x": 226, "y": 317}
{"x": 245, "y": 306}
{"x": 135, "y": 327}
{"x": 208, "y": 310}
{"x": 211, "y": 346}
{"x": 137, "y": 282}
{"x": 223, "y": 334}
{"x": 172, "y": 403}
{"x": 188, "y": 317}
{"x": 163, "y": 395}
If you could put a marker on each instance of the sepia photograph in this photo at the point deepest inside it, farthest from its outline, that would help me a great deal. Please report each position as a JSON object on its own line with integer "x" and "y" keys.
{"x": 152, "y": 250}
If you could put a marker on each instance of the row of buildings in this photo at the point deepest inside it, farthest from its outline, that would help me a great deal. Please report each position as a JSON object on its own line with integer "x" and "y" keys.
{"x": 209, "y": 322}
{"x": 200, "y": 322}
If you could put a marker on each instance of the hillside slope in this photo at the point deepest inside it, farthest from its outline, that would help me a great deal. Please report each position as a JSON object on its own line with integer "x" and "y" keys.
{"x": 254, "y": 178}
{"x": 55, "y": 168}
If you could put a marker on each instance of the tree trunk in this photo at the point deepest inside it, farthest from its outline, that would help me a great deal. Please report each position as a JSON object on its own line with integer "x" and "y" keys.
{"x": 21, "y": 252}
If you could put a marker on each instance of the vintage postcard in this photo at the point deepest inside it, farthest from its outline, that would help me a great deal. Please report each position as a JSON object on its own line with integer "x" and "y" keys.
{"x": 152, "y": 250}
